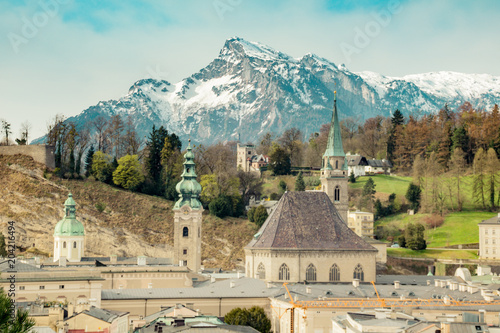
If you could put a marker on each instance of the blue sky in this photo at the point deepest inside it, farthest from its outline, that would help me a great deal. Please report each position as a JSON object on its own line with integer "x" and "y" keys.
{"x": 62, "y": 56}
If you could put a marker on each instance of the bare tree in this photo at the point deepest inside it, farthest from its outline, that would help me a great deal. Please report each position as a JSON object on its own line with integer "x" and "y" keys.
{"x": 6, "y": 130}
{"x": 101, "y": 124}
{"x": 26, "y": 130}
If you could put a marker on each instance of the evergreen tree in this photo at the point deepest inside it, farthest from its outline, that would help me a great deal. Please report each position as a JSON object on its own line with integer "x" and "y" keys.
{"x": 221, "y": 207}
{"x": 299, "y": 183}
{"x": 492, "y": 179}
{"x": 21, "y": 323}
{"x": 88, "y": 160}
{"x": 282, "y": 186}
{"x": 414, "y": 237}
{"x": 3, "y": 248}
{"x": 413, "y": 196}
{"x": 352, "y": 178}
{"x": 368, "y": 193}
{"x": 279, "y": 162}
{"x": 479, "y": 178}
{"x": 250, "y": 214}
{"x": 154, "y": 166}
{"x": 457, "y": 169}
{"x": 260, "y": 215}
{"x": 397, "y": 121}
{"x": 460, "y": 139}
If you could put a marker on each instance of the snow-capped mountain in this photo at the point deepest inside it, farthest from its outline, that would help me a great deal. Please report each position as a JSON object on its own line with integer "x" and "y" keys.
{"x": 250, "y": 89}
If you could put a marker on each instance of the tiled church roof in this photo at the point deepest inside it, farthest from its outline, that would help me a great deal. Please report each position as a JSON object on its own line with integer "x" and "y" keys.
{"x": 307, "y": 220}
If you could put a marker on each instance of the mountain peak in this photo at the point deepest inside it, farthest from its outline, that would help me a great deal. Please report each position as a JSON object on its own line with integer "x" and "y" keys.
{"x": 237, "y": 48}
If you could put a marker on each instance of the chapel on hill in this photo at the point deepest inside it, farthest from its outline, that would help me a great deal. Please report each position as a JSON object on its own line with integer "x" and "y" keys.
{"x": 306, "y": 237}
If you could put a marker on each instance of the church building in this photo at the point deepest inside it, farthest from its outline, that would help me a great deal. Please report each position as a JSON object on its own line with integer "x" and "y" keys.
{"x": 69, "y": 234}
{"x": 188, "y": 217}
{"x": 306, "y": 237}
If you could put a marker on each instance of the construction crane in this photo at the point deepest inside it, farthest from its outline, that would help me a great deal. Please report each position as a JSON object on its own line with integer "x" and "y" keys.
{"x": 378, "y": 302}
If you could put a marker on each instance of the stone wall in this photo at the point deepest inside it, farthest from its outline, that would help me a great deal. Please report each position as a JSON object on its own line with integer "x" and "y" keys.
{"x": 40, "y": 153}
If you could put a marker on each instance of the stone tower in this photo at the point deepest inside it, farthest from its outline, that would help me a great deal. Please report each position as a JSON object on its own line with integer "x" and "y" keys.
{"x": 187, "y": 217}
{"x": 243, "y": 153}
{"x": 69, "y": 234}
{"x": 334, "y": 167}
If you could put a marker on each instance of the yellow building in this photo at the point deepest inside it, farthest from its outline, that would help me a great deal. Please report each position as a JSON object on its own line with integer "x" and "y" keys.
{"x": 489, "y": 238}
{"x": 361, "y": 223}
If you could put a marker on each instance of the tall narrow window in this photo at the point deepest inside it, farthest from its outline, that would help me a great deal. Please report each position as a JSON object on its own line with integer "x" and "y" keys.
{"x": 337, "y": 193}
{"x": 64, "y": 245}
{"x": 74, "y": 245}
{"x": 334, "y": 273}
{"x": 358, "y": 273}
{"x": 336, "y": 164}
{"x": 261, "y": 272}
{"x": 284, "y": 273}
{"x": 311, "y": 273}
{"x": 185, "y": 232}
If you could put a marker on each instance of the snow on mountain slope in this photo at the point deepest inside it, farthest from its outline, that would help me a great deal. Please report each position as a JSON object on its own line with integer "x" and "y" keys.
{"x": 251, "y": 88}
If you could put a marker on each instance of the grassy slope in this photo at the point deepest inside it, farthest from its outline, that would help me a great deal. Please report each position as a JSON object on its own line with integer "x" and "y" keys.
{"x": 385, "y": 184}
{"x": 433, "y": 253}
{"x": 36, "y": 204}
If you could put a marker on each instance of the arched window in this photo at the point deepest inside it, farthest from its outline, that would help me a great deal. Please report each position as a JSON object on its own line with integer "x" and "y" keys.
{"x": 337, "y": 193}
{"x": 185, "y": 232}
{"x": 74, "y": 245}
{"x": 64, "y": 245}
{"x": 334, "y": 273}
{"x": 358, "y": 273}
{"x": 336, "y": 164}
{"x": 261, "y": 271}
{"x": 311, "y": 273}
{"x": 284, "y": 272}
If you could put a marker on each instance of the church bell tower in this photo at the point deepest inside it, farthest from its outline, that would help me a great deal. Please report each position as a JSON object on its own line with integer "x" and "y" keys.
{"x": 187, "y": 217}
{"x": 334, "y": 167}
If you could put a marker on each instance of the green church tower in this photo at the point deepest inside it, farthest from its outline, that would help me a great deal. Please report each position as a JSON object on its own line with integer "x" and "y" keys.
{"x": 334, "y": 167}
{"x": 188, "y": 217}
{"x": 69, "y": 234}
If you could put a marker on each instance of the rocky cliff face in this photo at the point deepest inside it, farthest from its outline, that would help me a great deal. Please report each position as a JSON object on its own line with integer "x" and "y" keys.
{"x": 250, "y": 89}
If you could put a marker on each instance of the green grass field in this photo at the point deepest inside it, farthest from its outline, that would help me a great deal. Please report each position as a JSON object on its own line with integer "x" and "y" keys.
{"x": 385, "y": 184}
{"x": 458, "y": 227}
{"x": 433, "y": 253}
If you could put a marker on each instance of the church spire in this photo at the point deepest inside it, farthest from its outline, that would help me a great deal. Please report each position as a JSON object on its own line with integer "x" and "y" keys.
{"x": 188, "y": 188}
{"x": 334, "y": 144}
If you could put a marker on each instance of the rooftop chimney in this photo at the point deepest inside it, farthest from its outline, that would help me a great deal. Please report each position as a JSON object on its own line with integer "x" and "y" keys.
{"x": 62, "y": 261}
{"x": 396, "y": 284}
{"x": 231, "y": 284}
{"x": 141, "y": 261}
{"x": 308, "y": 290}
{"x": 355, "y": 283}
{"x": 113, "y": 259}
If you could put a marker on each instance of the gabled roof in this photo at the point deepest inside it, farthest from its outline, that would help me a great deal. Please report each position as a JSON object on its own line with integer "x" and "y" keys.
{"x": 380, "y": 163}
{"x": 493, "y": 220}
{"x": 355, "y": 160}
{"x": 307, "y": 220}
{"x": 102, "y": 314}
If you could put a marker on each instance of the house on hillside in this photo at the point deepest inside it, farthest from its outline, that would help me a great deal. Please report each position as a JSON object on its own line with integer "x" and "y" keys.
{"x": 356, "y": 164}
{"x": 248, "y": 160}
{"x": 378, "y": 166}
{"x": 97, "y": 320}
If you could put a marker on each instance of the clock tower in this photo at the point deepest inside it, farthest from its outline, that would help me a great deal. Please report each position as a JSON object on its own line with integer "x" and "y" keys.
{"x": 188, "y": 217}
